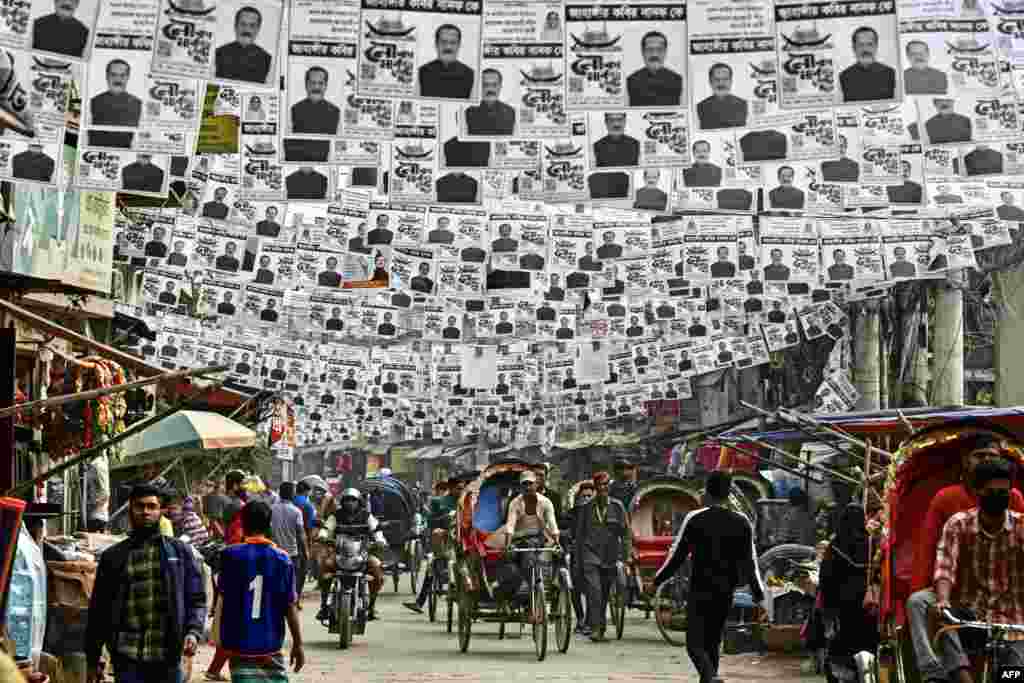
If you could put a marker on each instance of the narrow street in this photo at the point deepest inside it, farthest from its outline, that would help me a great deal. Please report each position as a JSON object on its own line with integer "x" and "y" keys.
{"x": 403, "y": 647}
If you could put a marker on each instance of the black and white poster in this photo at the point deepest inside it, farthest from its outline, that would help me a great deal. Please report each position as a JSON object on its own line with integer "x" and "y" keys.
{"x": 236, "y": 41}
{"x": 621, "y": 54}
{"x": 837, "y": 53}
{"x": 417, "y": 49}
{"x": 135, "y": 172}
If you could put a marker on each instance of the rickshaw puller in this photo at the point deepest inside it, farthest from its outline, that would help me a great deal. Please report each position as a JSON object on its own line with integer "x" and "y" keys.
{"x": 440, "y": 507}
{"x": 946, "y": 503}
{"x": 352, "y": 512}
{"x": 979, "y": 567}
{"x": 531, "y": 512}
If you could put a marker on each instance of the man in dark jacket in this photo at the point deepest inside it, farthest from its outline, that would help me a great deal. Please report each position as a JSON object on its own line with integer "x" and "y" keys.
{"x": 624, "y": 488}
{"x": 584, "y": 494}
{"x": 724, "y": 558}
{"x": 602, "y": 541}
{"x": 148, "y": 605}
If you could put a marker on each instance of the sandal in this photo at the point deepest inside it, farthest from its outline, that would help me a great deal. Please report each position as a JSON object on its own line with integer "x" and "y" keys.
{"x": 210, "y": 676}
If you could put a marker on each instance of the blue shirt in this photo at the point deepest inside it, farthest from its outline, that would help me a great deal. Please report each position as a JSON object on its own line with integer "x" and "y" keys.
{"x": 308, "y": 511}
{"x": 257, "y": 582}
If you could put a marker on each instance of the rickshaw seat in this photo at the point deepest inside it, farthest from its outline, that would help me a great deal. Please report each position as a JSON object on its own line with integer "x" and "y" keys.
{"x": 651, "y": 551}
{"x": 910, "y": 518}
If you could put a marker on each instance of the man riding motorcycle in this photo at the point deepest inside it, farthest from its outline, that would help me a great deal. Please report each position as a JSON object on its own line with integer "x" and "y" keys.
{"x": 351, "y": 511}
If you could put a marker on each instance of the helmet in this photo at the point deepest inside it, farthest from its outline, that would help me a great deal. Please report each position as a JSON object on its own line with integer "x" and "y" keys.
{"x": 351, "y": 493}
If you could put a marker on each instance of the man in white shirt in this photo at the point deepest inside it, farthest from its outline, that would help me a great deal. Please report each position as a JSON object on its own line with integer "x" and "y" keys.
{"x": 531, "y": 510}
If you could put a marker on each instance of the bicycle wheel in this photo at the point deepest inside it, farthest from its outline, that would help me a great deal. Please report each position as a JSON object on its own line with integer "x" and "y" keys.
{"x": 617, "y": 603}
{"x": 414, "y": 565}
{"x": 563, "y": 618}
{"x": 451, "y": 609}
{"x": 465, "y": 621}
{"x": 431, "y": 597}
{"x": 670, "y": 612}
{"x": 539, "y": 612}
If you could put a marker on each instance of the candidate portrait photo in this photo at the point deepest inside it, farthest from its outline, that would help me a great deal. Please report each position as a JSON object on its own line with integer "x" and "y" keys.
{"x": 66, "y": 29}
{"x": 117, "y": 84}
{"x": 248, "y": 39}
{"x": 449, "y": 69}
{"x": 316, "y": 97}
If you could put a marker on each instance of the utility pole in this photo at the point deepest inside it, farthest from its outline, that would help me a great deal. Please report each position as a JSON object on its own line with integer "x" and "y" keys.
{"x": 1009, "y": 335}
{"x": 948, "y": 343}
{"x": 867, "y": 357}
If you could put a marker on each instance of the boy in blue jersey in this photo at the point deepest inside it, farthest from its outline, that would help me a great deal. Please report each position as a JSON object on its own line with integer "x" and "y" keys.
{"x": 257, "y": 586}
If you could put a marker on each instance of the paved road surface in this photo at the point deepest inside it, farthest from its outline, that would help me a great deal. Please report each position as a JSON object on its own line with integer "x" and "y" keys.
{"x": 405, "y": 648}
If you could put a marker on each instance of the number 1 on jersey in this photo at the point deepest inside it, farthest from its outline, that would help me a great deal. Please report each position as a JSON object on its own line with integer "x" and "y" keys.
{"x": 256, "y": 585}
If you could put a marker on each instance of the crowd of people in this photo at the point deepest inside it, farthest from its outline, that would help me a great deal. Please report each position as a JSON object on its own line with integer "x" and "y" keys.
{"x": 156, "y": 607}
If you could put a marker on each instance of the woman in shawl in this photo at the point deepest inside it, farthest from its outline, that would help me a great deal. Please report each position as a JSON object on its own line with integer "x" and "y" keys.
{"x": 843, "y": 582}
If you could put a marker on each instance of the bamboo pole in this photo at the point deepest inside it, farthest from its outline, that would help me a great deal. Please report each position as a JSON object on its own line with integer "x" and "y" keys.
{"x": 32, "y": 406}
{"x": 773, "y": 463}
{"x": 827, "y": 470}
{"x": 41, "y": 323}
{"x": 95, "y": 451}
{"x": 797, "y": 419}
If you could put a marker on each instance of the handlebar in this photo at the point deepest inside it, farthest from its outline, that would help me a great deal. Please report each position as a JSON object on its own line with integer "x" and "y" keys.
{"x": 554, "y": 548}
{"x": 985, "y": 625}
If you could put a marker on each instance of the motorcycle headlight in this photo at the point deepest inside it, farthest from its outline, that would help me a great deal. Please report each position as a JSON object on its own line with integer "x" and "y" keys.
{"x": 348, "y": 547}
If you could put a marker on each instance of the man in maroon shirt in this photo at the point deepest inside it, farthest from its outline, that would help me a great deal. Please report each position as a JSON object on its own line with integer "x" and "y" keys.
{"x": 946, "y": 503}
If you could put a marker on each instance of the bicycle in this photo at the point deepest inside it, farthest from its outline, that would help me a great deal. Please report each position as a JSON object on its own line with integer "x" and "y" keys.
{"x": 996, "y": 643}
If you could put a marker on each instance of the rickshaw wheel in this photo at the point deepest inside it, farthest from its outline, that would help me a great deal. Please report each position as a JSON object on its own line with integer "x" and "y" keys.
{"x": 451, "y": 607}
{"x": 617, "y": 602}
{"x": 465, "y": 621}
{"x": 563, "y": 619}
{"x": 666, "y": 606}
{"x": 431, "y": 598}
{"x": 539, "y": 612}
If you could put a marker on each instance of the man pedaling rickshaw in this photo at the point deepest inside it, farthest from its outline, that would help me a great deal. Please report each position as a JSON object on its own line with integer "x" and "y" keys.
{"x": 437, "y": 519}
{"x": 351, "y": 511}
{"x": 979, "y": 572}
{"x": 957, "y": 498}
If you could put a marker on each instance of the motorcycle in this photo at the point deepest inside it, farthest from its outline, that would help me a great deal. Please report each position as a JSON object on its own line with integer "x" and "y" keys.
{"x": 348, "y": 601}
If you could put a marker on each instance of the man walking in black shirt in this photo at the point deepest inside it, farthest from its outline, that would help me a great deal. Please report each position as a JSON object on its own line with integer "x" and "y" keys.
{"x": 724, "y": 558}
{"x": 243, "y": 59}
{"x": 315, "y": 114}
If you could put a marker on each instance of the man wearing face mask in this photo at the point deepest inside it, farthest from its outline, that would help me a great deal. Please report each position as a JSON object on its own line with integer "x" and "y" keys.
{"x": 352, "y": 511}
{"x": 947, "y": 502}
{"x": 978, "y": 569}
{"x": 148, "y": 605}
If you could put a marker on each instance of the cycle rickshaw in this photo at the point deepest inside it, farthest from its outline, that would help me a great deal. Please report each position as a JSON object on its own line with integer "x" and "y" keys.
{"x": 483, "y": 510}
{"x": 924, "y": 464}
{"x": 392, "y": 501}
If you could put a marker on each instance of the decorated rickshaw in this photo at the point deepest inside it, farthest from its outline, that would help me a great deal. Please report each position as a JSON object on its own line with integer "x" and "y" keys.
{"x": 392, "y": 501}
{"x": 924, "y": 464}
{"x": 482, "y": 556}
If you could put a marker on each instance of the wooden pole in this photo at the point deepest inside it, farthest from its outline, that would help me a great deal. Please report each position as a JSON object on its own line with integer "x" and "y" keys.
{"x": 90, "y": 453}
{"x": 32, "y": 406}
{"x": 40, "y": 323}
